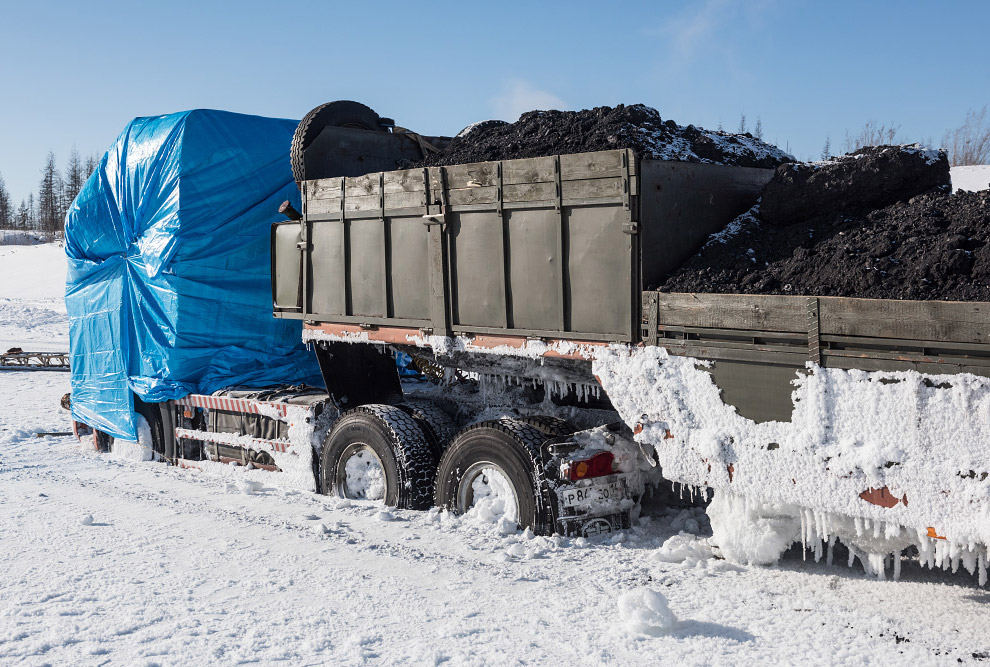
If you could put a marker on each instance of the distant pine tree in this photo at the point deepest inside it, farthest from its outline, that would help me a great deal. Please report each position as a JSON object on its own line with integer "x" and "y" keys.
{"x": 758, "y": 130}
{"x": 827, "y": 150}
{"x": 23, "y": 216}
{"x": 7, "y": 213}
{"x": 742, "y": 124}
{"x": 49, "y": 204}
{"x": 73, "y": 180}
{"x": 92, "y": 162}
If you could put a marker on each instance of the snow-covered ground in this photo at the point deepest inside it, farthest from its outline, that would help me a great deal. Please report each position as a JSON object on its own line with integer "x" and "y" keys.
{"x": 970, "y": 178}
{"x": 109, "y": 561}
{"x": 32, "y": 307}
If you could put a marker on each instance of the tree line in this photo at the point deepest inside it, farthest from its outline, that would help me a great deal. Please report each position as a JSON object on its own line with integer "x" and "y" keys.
{"x": 45, "y": 211}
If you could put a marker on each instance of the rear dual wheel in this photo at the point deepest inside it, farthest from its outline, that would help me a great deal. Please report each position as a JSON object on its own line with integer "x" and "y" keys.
{"x": 495, "y": 469}
{"x": 379, "y": 453}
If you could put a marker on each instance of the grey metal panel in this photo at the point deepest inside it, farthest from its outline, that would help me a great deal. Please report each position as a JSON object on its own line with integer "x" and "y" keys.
{"x": 598, "y": 282}
{"x": 327, "y": 268}
{"x": 286, "y": 263}
{"x": 758, "y": 391}
{"x": 534, "y": 269}
{"x": 475, "y": 242}
{"x": 367, "y": 267}
{"x": 681, "y": 203}
{"x": 409, "y": 268}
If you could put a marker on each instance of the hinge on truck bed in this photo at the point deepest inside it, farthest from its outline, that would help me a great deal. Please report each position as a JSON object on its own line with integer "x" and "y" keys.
{"x": 630, "y": 227}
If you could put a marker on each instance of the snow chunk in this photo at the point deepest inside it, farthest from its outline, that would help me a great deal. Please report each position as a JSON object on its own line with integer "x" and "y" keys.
{"x": 684, "y": 548}
{"x": 751, "y": 532}
{"x": 644, "y": 611}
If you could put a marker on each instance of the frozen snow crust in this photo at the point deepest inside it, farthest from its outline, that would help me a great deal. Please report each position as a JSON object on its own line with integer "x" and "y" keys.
{"x": 635, "y": 126}
{"x": 911, "y": 442}
{"x": 168, "y": 288}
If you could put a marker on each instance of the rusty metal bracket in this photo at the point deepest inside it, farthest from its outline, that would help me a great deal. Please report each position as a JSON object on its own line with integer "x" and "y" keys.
{"x": 651, "y": 310}
{"x": 626, "y": 188}
{"x": 498, "y": 188}
{"x": 814, "y": 331}
{"x": 381, "y": 196}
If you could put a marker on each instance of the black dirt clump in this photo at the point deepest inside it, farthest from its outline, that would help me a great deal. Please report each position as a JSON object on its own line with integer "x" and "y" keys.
{"x": 935, "y": 246}
{"x": 635, "y": 126}
{"x": 867, "y": 179}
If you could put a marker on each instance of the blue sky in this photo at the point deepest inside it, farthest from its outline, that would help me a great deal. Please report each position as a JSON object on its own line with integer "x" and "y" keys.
{"x": 73, "y": 74}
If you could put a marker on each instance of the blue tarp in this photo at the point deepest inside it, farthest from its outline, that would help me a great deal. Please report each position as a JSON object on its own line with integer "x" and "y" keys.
{"x": 168, "y": 287}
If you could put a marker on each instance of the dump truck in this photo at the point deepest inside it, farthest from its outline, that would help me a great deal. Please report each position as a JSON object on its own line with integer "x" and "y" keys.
{"x": 567, "y": 383}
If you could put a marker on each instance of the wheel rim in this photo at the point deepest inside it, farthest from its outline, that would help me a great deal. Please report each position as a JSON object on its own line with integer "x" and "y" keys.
{"x": 486, "y": 488}
{"x": 360, "y": 474}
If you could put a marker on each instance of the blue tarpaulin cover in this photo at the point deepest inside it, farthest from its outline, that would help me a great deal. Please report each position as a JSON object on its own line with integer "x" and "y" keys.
{"x": 168, "y": 287}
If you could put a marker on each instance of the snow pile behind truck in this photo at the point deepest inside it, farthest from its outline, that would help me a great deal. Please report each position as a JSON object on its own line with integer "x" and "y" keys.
{"x": 168, "y": 287}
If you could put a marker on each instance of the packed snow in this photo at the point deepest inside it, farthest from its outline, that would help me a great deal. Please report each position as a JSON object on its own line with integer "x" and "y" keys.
{"x": 108, "y": 560}
{"x": 974, "y": 178}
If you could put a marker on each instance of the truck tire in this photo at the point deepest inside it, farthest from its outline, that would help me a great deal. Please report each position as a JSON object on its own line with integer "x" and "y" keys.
{"x": 342, "y": 113}
{"x": 552, "y": 427}
{"x": 502, "y": 458}
{"x": 437, "y": 425}
{"x": 378, "y": 452}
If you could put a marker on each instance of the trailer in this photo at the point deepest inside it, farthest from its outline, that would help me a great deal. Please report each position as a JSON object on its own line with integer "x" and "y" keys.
{"x": 568, "y": 384}
{"x": 813, "y": 418}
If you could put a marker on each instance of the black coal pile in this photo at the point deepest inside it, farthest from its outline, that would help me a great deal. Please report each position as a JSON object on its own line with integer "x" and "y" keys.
{"x": 867, "y": 179}
{"x": 635, "y": 126}
{"x": 934, "y": 246}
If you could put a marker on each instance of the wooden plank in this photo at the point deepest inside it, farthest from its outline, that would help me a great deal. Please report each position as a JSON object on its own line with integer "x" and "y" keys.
{"x": 594, "y": 188}
{"x": 733, "y": 311}
{"x": 404, "y": 200}
{"x": 324, "y": 188}
{"x": 529, "y": 192}
{"x": 362, "y": 203}
{"x": 575, "y": 167}
{"x": 528, "y": 170}
{"x": 322, "y": 207}
{"x": 404, "y": 180}
{"x": 953, "y": 321}
{"x": 466, "y": 196}
{"x": 368, "y": 184}
{"x": 600, "y": 164}
{"x": 475, "y": 175}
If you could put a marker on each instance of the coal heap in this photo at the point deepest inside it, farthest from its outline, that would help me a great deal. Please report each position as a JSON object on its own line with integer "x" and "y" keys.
{"x": 861, "y": 181}
{"x": 635, "y": 126}
{"x": 932, "y": 246}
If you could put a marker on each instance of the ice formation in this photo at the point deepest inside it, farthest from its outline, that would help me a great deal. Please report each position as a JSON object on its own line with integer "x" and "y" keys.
{"x": 883, "y": 458}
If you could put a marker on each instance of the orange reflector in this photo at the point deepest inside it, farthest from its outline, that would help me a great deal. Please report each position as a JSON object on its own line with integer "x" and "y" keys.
{"x": 933, "y": 534}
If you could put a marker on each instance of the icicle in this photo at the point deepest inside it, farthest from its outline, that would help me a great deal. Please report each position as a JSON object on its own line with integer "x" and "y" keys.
{"x": 897, "y": 565}
{"x": 831, "y": 543}
{"x": 982, "y": 566}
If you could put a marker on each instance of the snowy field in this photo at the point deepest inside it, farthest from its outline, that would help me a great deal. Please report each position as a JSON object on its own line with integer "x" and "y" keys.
{"x": 109, "y": 561}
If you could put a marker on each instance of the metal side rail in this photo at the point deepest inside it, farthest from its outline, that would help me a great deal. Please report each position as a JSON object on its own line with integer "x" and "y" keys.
{"x": 228, "y": 447}
{"x": 34, "y": 361}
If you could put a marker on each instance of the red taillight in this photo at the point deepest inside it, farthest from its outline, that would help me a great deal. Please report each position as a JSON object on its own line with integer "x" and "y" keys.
{"x": 598, "y": 465}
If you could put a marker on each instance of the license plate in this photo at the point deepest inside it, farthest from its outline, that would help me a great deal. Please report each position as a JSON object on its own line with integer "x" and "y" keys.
{"x": 595, "y": 493}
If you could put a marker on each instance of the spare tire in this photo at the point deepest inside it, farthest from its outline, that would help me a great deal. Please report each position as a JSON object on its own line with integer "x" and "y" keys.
{"x": 342, "y": 113}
